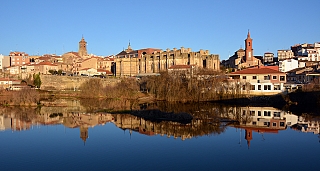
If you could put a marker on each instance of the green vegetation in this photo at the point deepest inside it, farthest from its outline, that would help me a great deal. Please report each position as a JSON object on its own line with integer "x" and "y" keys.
{"x": 37, "y": 80}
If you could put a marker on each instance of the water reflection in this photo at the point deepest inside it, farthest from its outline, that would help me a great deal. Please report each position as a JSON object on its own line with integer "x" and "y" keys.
{"x": 207, "y": 120}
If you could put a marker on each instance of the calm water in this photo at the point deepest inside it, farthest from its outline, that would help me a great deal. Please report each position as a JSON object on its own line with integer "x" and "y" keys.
{"x": 71, "y": 138}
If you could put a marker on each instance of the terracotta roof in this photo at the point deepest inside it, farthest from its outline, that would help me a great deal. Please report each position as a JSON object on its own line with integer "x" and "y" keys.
{"x": 106, "y": 71}
{"x": 106, "y": 59}
{"x": 88, "y": 59}
{"x": 84, "y": 69}
{"x": 261, "y": 70}
{"x": 44, "y": 58}
{"x": 7, "y": 79}
{"x": 46, "y": 63}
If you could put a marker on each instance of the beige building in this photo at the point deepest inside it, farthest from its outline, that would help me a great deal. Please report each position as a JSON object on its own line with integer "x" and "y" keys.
{"x": 268, "y": 57}
{"x": 263, "y": 80}
{"x": 45, "y": 67}
{"x": 150, "y": 61}
{"x": 285, "y": 54}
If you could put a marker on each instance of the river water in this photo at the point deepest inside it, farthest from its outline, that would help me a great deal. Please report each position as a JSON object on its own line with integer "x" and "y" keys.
{"x": 219, "y": 137}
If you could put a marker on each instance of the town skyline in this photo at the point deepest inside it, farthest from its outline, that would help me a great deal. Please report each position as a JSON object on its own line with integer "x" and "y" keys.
{"x": 56, "y": 27}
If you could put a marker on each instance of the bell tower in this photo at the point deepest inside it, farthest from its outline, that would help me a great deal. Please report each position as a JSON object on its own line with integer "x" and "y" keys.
{"x": 82, "y": 48}
{"x": 248, "y": 48}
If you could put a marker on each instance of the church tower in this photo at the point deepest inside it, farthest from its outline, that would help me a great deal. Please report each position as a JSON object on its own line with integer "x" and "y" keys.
{"x": 82, "y": 48}
{"x": 248, "y": 50}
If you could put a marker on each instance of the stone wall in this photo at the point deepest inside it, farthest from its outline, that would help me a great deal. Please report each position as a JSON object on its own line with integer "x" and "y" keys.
{"x": 54, "y": 82}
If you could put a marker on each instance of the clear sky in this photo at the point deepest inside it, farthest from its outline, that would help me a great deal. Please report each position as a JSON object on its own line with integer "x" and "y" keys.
{"x": 56, "y": 26}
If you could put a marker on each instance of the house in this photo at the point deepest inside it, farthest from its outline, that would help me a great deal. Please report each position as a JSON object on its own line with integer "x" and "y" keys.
{"x": 7, "y": 82}
{"x": 285, "y": 54}
{"x": 45, "y": 67}
{"x": 88, "y": 72}
{"x": 288, "y": 64}
{"x": 104, "y": 72}
{"x": 304, "y": 75}
{"x": 262, "y": 80}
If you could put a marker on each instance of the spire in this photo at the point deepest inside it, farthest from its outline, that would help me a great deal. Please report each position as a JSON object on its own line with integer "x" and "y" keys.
{"x": 129, "y": 46}
{"x": 248, "y": 36}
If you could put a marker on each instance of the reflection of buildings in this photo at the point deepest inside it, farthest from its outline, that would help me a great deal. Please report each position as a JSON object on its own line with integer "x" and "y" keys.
{"x": 270, "y": 120}
{"x": 307, "y": 126}
{"x": 206, "y": 122}
{"x": 85, "y": 121}
{"x": 15, "y": 124}
{"x": 196, "y": 128}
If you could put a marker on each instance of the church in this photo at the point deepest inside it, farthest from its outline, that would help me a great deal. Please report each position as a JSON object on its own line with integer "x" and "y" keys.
{"x": 244, "y": 58}
{"x": 71, "y": 57}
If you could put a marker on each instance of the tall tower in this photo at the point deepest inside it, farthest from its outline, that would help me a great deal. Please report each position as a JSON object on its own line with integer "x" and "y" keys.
{"x": 82, "y": 48}
{"x": 249, "y": 50}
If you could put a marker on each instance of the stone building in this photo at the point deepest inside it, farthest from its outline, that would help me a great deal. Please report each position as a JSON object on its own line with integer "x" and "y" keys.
{"x": 152, "y": 61}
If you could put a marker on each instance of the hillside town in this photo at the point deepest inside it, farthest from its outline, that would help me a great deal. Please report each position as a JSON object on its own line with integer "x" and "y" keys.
{"x": 288, "y": 70}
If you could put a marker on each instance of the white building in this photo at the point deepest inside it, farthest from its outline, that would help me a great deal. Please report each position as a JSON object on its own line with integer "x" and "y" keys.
{"x": 288, "y": 65}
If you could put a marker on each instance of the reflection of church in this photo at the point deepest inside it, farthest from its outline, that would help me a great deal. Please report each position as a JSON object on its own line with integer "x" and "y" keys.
{"x": 262, "y": 120}
{"x": 84, "y": 133}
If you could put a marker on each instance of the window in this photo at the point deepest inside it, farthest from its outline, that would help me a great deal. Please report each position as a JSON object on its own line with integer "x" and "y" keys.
{"x": 281, "y": 78}
{"x": 252, "y": 87}
{"x": 274, "y": 77}
{"x": 259, "y": 113}
{"x": 265, "y": 123}
{"x": 276, "y": 87}
{"x": 267, "y": 87}
{"x": 276, "y": 114}
{"x": 267, "y": 113}
{"x": 267, "y": 77}
{"x": 259, "y": 87}
{"x": 244, "y": 77}
{"x": 254, "y": 77}
{"x": 252, "y": 113}
{"x": 254, "y": 123}
{"x": 282, "y": 124}
{"x": 274, "y": 124}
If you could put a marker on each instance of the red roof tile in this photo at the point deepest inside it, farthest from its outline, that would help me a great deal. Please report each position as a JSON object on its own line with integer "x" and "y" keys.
{"x": 263, "y": 70}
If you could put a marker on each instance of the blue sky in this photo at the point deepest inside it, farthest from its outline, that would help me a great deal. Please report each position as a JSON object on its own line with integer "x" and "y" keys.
{"x": 56, "y": 26}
